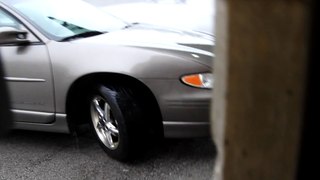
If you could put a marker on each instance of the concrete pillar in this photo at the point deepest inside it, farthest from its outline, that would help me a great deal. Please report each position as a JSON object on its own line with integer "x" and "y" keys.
{"x": 260, "y": 71}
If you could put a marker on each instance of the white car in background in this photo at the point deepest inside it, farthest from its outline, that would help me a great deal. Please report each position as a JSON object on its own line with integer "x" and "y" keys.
{"x": 194, "y": 15}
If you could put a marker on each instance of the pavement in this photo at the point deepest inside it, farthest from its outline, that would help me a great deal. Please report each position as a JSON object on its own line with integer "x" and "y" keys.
{"x": 40, "y": 155}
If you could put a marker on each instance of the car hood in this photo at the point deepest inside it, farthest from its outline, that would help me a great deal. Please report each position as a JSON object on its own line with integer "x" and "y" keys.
{"x": 178, "y": 42}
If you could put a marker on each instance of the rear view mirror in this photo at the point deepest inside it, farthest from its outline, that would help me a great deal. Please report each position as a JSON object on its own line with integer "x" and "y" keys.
{"x": 10, "y": 35}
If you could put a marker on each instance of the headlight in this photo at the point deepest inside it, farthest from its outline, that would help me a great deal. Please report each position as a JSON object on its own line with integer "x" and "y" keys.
{"x": 203, "y": 80}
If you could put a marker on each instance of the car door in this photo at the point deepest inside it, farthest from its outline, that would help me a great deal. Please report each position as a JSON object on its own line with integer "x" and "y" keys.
{"x": 28, "y": 74}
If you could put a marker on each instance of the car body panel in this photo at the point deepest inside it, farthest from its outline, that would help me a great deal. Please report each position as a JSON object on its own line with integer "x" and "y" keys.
{"x": 185, "y": 110}
{"x": 60, "y": 125}
{"x": 136, "y": 62}
{"x": 28, "y": 68}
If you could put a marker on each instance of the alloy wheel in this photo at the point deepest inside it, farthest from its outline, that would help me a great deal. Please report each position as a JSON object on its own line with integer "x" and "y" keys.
{"x": 104, "y": 123}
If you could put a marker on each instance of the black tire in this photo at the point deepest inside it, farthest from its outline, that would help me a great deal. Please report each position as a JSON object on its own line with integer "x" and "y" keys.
{"x": 124, "y": 114}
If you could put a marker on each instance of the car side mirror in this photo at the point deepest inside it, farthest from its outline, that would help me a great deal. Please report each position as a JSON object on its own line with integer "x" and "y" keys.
{"x": 10, "y": 35}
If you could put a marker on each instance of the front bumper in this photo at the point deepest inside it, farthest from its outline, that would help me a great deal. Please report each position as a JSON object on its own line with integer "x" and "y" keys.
{"x": 185, "y": 110}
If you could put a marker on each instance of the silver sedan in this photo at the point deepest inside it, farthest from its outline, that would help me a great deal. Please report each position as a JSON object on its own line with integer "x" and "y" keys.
{"x": 68, "y": 64}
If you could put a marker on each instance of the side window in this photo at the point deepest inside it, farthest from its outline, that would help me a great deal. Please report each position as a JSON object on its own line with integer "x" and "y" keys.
{"x": 8, "y": 21}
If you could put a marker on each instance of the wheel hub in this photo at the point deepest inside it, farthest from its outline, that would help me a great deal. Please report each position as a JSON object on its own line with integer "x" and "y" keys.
{"x": 104, "y": 123}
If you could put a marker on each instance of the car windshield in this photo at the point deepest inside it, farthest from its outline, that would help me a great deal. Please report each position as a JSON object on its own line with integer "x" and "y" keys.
{"x": 61, "y": 19}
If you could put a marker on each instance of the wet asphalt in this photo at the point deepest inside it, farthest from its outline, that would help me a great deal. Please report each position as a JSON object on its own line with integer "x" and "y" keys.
{"x": 40, "y": 155}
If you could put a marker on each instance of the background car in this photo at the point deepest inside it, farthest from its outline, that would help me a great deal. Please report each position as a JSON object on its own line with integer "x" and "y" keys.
{"x": 132, "y": 83}
{"x": 195, "y": 15}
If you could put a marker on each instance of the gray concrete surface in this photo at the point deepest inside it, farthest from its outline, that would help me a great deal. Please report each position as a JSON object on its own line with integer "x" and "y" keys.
{"x": 38, "y": 155}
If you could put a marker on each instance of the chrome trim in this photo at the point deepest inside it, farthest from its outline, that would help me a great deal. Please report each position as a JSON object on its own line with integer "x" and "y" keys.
{"x": 29, "y": 44}
{"x": 184, "y": 123}
{"x": 188, "y": 103}
{"x": 31, "y": 112}
{"x": 60, "y": 125}
{"x": 186, "y": 129}
{"x": 18, "y": 79}
{"x": 32, "y": 116}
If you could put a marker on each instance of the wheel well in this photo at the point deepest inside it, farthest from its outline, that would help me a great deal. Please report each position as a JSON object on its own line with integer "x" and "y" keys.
{"x": 82, "y": 86}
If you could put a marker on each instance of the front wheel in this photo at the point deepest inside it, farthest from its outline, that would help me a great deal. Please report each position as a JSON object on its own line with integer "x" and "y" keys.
{"x": 104, "y": 123}
{"x": 114, "y": 114}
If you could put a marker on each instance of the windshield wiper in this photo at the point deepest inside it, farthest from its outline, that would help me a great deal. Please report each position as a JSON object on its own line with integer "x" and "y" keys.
{"x": 81, "y": 35}
{"x": 130, "y": 25}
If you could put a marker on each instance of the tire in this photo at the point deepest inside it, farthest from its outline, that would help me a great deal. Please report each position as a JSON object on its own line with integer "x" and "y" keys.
{"x": 114, "y": 116}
